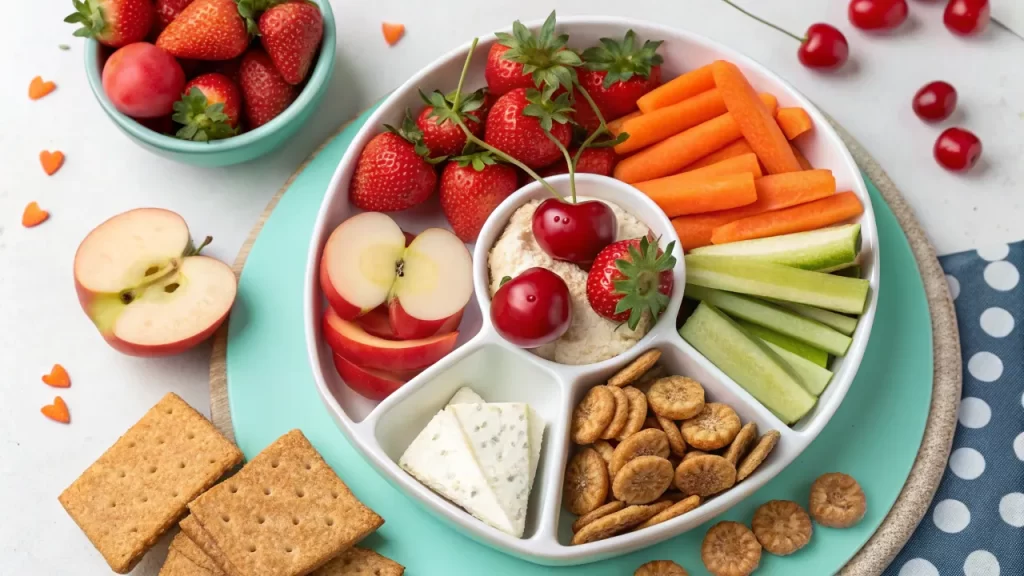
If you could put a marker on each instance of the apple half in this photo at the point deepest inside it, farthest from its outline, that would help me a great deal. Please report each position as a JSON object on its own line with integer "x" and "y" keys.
{"x": 350, "y": 341}
{"x": 370, "y": 383}
{"x": 144, "y": 285}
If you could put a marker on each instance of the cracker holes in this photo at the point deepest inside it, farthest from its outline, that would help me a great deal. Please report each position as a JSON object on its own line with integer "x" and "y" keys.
{"x": 145, "y": 499}
{"x": 113, "y": 504}
{"x": 329, "y": 521}
{"x": 309, "y": 466}
{"x": 174, "y": 494}
{"x": 275, "y": 464}
{"x": 181, "y": 464}
{"x": 212, "y": 461}
{"x": 225, "y": 518}
{"x": 233, "y": 489}
{"x": 133, "y": 529}
{"x": 121, "y": 474}
{"x": 295, "y": 521}
{"x": 169, "y": 411}
{"x": 300, "y": 493}
{"x": 251, "y": 548}
{"x": 190, "y": 436}
{"x": 266, "y": 491}
{"x": 288, "y": 549}
{"x": 334, "y": 494}
{"x": 376, "y": 572}
{"x": 260, "y": 519}
{"x": 152, "y": 469}
{"x": 131, "y": 444}
{"x": 159, "y": 440}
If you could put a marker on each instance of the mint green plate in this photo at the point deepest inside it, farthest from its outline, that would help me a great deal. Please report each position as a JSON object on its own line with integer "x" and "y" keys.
{"x": 875, "y": 434}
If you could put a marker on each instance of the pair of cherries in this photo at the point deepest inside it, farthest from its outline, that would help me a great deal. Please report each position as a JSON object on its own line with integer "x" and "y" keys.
{"x": 956, "y": 149}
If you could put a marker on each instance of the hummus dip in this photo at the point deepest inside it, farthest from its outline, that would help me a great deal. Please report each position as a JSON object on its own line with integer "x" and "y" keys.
{"x": 590, "y": 337}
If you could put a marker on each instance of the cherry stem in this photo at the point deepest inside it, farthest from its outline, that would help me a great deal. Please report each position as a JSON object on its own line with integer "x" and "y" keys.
{"x": 766, "y": 23}
{"x": 472, "y": 138}
{"x": 568, "y": 160}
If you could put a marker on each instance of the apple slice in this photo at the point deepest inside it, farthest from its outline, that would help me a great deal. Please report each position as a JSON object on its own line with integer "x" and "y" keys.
{"x": 353, "y": 343}
{"x": 376, "y": 323}
{"x": 359, "y": 263}
{"x": 142, "y": 283}
{"x": 370, "y": 383}
{"x": 433, "y": 287}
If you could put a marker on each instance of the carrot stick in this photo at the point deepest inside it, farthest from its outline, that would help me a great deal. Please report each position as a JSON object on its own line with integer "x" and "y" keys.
{"x": 615, "y": 126}
{"x": 707, "y": 194}
{"x": 678, "y": 89}
{"x": 659, "y": 124}
{"x": 737, "y": 148}
{"x": 793, "y": 121}
{"x": 672, "y": 154}
{"x": 804, "y": 162}
{"x": 754, "y": 119}
{"x": 695, "y": 231}
{"x": 802, "y": 218}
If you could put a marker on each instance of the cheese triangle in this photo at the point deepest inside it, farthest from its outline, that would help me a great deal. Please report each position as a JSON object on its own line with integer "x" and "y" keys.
{"x": 466, "y": 395}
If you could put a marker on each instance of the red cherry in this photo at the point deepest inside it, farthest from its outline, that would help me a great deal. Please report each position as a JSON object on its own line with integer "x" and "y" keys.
{"x": 532, "y": 309}
{"x": 966, "y": 17}
{"x": 957, "y": 149}
{"x": 574, "y": 232}
{"x": 877, "y": 14}
{"x": 823, "y": 47}
{"x": 935, "y": 101}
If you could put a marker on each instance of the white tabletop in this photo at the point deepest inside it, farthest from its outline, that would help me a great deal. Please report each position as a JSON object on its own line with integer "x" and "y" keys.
{"x": 40, "y": 319}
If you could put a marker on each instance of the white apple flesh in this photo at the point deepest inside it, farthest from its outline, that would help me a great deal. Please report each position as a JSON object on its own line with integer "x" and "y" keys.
{"x": 141, "y": 284}
{"x": 433, "y": 287}
{"x": 358, "y": 266}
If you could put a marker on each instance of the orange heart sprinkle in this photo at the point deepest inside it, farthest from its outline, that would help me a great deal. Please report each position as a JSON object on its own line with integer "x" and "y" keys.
{"x": 58, "y": 411}
{"x": 58, "y": 377}
{"x": 51, "y": 161}
{"x": 38, "y": 88}
{"x": 392, "y": 32}
{"x": 33, "y": 215}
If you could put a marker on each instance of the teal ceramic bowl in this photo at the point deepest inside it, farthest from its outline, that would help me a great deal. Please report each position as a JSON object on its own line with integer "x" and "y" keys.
{"x": 242, "y": 148}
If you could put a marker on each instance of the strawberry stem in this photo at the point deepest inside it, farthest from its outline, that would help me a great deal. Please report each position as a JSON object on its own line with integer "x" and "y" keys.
{"x": 767, "y": 23}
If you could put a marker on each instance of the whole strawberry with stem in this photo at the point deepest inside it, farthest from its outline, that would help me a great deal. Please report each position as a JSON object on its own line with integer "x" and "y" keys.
{"x": 266, "y": 93}
{"x": 209, "y": 110}
{"x": 206, "y": 30}
{"x": 394, "y": 171}
{"x": 291, "y": 35}
{"x": 631, "y": 279}
{"x": 823, "y": 46}
{"x": 523, "y": 59}
{"x": 530, "y": 125}
{"x": 441, "y": 134}
{"x": 472, "y": 186}
{"x": 113, "y": 23}
{"x": 616, "y": 74}
{"x": 167, "y": 11}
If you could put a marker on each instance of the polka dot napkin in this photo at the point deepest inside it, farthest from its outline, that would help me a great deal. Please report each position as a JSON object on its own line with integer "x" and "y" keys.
{"x": 975, "y": 526}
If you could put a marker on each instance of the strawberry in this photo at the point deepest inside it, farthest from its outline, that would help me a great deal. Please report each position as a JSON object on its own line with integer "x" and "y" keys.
{"x": 209, "y": 110}
{"x": 524, "y": 60}
{"x": 167, "y": 11}
{"x": 291, "y": 35}
{"x": 630, "y": 279}
{"x": 393, "y": 171}
{"x": 441, "y": 134}
{"x": 471, "y": 188}
{"x": 518, "y": 120}
{"x": 616, "y": 74}
{"x": 206, "y": 30}
{"x": 593, "y": 161}
{"x": 113, "y": 23}
{"x": 266, "y": 93}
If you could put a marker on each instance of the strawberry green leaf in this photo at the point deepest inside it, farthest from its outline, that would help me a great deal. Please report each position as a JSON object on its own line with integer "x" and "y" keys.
{"x": 201, "y": 120}
{"x": 621, "y": 60}
{"x": 543, "y": 56}
{"x": 540, "y": 105}
{"x": 90, "y": 15}
{"x": 478, "y": 159}
{"x": 443, "y": 106}
{"x": 641, "y": 277}
{"x": 412, "y": 134}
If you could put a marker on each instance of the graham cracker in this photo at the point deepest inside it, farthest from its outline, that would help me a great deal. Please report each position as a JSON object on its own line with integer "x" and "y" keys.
{"x": 191, "y": 528}
{"x": 286, "y": 513}
{"x": 140, "y": 486}
{"x": 360, "y": 562}
{"x": 177, "y": 564}
{"x": 187, "y": 547}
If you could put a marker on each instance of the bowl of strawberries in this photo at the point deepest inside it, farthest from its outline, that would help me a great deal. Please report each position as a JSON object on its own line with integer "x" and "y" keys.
{"x": 207, "y": 82}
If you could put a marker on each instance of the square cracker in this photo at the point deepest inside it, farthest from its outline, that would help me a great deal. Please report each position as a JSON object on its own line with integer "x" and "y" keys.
{"x": 140, "y": 486}
{"x": 286, "y": 513}
{"x": 360, "y": 562}
{"x": 188, "y": 548}
{"x": 195, "y": 532}
{"x": 177, "y": 564}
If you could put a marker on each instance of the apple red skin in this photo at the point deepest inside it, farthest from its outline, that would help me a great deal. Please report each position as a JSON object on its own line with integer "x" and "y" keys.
{"x": 376, "y": 323}
{"x": 349, "y": 340}
{"x": 406, "y": 327}
{"x": 369, "y": 383}
{"x": 143, "y": 81}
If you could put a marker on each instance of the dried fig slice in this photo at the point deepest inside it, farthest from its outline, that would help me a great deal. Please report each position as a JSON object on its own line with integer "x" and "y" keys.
{"x": 705, "y": 475}
{"x": 661, "y": 568}
{"x": 635, "y": 369}
{"x": 693, "y": 454}
{"x": 621, "y": 413}
{"x": 714, "y": 427}
{"x": 675, "y": 438}
{"x": 592, "y": 415}
{"x": 637, "y": 412}
{"x": 757, "y": 454}
{"x": 741, "y": 443}
{"x": 730, "y": 549}
{"x": 586, "y": 482}
{"x": 648, "y": 442}
{"x": 643, "y": 480}
{"x": 612, "y": 524}
{"x": 782, "y": 527}
{"x": 676, "y": 509}
{"x": 676, "y": 397}
{"x": 837, "y": 501}
{"x": 605, "y": 449}
{"x": 613, "y": 506}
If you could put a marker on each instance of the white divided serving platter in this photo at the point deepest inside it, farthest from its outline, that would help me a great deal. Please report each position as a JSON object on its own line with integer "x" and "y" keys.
{"x": 501, "y": 372}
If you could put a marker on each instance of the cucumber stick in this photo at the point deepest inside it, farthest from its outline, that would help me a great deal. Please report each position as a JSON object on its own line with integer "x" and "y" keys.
{"x": 844, "y": 324}
{"x": 770, "y": 280}
{"x": 815, "y": 355}
{"x": 771, "y": 316}
{"x": 814, "y": 378}
{"x": 815, "y": 250}
{"x": 848, "y": 271}
{"x": 748, "y": 361}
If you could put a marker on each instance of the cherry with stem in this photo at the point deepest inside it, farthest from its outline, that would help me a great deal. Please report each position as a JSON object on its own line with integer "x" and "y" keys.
{"x": 823, "y": 46}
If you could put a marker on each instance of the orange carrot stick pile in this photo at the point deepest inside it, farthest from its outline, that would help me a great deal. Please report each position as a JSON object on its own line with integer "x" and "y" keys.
{"x": 801, "y": 218}
{"x": 793, "y": 121}
{"x": 615, "y": 126}
{"x": 659, "y": 124}
{"x": 678, "y": 89}
{"x": 737, "y": 148}
{"x": 712, "y": 188}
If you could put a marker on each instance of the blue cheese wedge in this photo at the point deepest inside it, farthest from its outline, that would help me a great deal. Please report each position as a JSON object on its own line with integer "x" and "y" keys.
{"x": 466, "y": 395}
{"x": 499, "y": 436}
{"x": 440, "y": 458}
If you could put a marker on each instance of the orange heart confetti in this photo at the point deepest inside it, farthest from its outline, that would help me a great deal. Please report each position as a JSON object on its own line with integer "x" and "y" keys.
{"x": 58, "y": 411}
{"x": 58, "y": 377}
{"x": 33, "y": 215}
{"x": 51, "y": 161}
{"x": 392, "y": 32}
{"x": 38, "y": 88}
